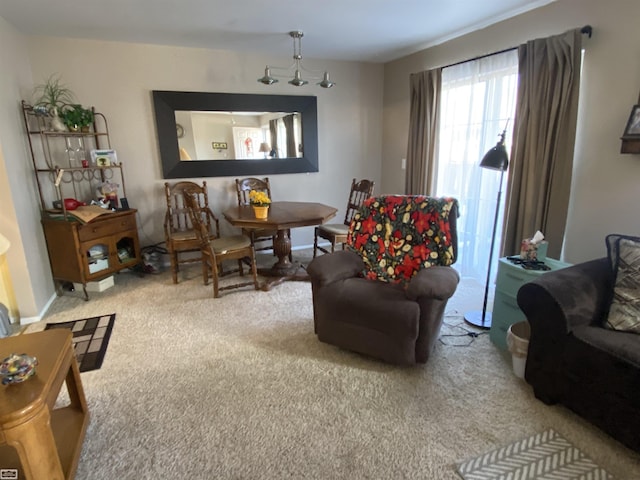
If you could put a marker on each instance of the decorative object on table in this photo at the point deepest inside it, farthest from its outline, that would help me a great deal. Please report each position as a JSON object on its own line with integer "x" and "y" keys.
{"x": 297, "y": 80}
{"x": 337, "y": 232}
{"x": 69, "y": 204}
{"x": 494, "y": 159}
{"x": 104, "y": 158}
{"x": 57, "y": 124}
{"x": 260, "y": 202}
{"x": 534, "y": 248}
{"x": 17, "y": 368}
{"x": 76, "y": 117}
{"x": 547, "y": 454}
{"x": 90, "y": 339}
{"x": 109, "y": 191}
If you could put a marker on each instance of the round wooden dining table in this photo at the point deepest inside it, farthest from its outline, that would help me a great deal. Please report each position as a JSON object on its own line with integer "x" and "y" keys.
{"x": 282, "y": 216}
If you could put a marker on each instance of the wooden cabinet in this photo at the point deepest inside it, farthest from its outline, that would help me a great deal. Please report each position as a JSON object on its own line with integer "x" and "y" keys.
{"x": 65, "y": 168}
{"x": 505, "y": 305}
{"x": 88, "y": 252}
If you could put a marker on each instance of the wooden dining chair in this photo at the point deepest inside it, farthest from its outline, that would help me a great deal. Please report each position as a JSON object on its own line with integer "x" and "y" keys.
{"x": 265, "y": 237}
{"x": 337, "y": 232}
{"x": 180, "y": 237}
{"x": 216, "y": 249}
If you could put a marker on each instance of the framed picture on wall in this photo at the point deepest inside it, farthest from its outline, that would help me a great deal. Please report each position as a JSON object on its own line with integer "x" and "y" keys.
{"x": 632, "y": 130}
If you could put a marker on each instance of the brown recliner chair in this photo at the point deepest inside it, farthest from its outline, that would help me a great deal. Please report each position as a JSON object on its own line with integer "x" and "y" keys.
{"x": 386, "y": 294}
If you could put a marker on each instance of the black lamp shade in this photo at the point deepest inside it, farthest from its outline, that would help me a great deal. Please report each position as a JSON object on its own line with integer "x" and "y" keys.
{"x": 496, "y": 158}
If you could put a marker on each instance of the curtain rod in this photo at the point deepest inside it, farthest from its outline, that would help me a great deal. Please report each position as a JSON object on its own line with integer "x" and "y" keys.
{"x": 586, "y": 30}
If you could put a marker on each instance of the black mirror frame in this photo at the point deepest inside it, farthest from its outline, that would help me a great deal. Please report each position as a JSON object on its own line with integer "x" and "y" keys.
{"x": 167, "y": 102}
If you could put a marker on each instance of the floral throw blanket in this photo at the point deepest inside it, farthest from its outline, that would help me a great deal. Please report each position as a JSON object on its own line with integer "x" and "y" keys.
{"x": 397, "y": 235}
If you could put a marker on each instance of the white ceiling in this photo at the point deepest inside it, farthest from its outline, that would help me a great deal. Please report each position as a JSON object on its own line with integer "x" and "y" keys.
{"x": 354, "y": 30}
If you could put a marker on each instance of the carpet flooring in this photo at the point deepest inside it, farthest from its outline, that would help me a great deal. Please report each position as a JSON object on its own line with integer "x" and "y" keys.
{"x": 239, "y": 387}
{"x": 546, "y": 455}
{"x": 90, "y": 339}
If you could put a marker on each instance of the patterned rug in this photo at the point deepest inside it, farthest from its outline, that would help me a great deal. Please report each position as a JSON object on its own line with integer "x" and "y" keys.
{"x": 90, "y": 339}
{"x": 543, "y": 456}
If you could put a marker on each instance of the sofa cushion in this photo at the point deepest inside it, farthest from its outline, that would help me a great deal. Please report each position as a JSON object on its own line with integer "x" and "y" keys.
{"x": 612, "y": 247}
{"x": 625, "y": 346}
{"x": 624, "y": 311}
{"x": 397, "y": 235}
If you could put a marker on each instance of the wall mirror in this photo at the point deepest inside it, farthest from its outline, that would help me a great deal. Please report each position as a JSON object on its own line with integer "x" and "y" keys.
{"x": 225, "y": 134}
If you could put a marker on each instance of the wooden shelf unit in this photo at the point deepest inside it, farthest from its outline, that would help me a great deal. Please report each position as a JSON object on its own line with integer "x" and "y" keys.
{"x": 60, "y": 174}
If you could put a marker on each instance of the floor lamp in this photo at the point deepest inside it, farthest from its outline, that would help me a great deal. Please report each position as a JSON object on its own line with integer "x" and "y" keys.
{"x": 494, "y": 159}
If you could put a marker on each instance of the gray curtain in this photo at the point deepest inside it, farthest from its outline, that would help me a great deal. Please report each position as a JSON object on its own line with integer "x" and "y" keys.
{"x": 543, "y": 141}
{"x": 423, "y": 131}
{"x": 273, "y": 131}
{"x": 291, "y": 140}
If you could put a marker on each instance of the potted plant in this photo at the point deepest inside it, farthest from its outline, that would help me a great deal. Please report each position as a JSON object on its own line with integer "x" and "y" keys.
{"x": 52, "y": 96}
{"x": 260, "y": 202}
{"x": 76, "y": 117}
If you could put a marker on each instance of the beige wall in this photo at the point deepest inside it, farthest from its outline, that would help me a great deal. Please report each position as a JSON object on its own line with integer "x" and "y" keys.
{"x": 605, "y": 192}
{"x": 19, "y": 212}
{"x": 118, "y": 78}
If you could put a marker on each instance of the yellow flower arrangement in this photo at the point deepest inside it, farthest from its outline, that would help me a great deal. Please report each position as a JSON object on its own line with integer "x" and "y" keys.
{"x": 259, "y": 199}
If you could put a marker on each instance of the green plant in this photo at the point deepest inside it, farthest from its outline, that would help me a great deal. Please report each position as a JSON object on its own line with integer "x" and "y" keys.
{"x": 52, "y": 94}
{"x": 76, "y": 116}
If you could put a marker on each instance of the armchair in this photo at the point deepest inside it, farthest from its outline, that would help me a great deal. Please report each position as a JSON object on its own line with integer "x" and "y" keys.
{"x": 385, "y": 295}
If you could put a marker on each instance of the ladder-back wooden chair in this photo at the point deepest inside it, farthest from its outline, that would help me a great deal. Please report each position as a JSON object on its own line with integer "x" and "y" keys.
{"x": 264, "y": 237}
{"x": 218, "y": 249}
{"x": 179, "y": 234}
{"x": 337, "y": 232}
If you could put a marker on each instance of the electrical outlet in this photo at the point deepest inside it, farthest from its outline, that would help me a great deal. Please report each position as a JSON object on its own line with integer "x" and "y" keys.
{"x": 404, "y": 164}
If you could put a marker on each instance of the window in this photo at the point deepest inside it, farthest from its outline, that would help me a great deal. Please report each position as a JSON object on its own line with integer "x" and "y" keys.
{"x": 477, "y": 103}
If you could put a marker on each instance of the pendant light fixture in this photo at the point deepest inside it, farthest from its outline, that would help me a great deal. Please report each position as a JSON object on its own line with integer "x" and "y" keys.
{"x": 296, "y": 67}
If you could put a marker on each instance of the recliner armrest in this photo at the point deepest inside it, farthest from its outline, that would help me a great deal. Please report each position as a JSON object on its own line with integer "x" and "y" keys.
{"x": 434, "y": 282}
{"x": 336, "y": 266}
{"x": 565, "y": 298}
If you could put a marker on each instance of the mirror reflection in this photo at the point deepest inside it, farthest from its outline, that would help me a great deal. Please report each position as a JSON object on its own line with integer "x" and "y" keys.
{"x": 240, "y": 135}
{"x": 182, "y": 116}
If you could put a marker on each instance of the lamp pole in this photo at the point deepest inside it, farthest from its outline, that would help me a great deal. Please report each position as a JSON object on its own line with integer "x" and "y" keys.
{"x": 495, "y": 159}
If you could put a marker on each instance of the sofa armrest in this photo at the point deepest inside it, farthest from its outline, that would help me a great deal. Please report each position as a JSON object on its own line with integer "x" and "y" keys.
{"x": 335, "y": 266}
{"x": 435, "y": 282}
{"x": 563, "y": 299}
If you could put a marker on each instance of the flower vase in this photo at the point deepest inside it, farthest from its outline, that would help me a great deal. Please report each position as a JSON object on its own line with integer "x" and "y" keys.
{"x": 261, "y": 212}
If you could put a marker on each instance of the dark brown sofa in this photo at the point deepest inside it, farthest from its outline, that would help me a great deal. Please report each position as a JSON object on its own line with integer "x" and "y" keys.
{"x": 572, "y": 359}
{"x": 396, "y": 323}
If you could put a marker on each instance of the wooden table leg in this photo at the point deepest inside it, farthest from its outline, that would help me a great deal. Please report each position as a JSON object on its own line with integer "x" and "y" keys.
{"x": 36, "y": 447}
{"x": 283, "y": 269}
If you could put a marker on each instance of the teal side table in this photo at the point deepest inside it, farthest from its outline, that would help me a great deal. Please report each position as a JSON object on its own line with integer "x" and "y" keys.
{"x": 505, "y": 306}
